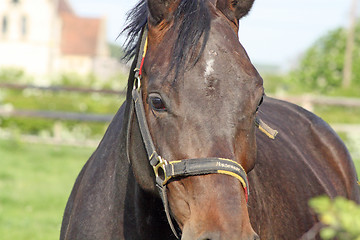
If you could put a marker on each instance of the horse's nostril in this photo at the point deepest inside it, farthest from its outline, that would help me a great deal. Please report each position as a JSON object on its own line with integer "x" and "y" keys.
{"x": 255, "y": 237}
{"x": 206, "y": 238}
{"x": 210, "y": 236}
{"x": 219, "y": 236}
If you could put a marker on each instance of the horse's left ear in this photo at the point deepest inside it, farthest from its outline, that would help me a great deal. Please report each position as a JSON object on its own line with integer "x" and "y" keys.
{"x": 242, "y": 7}
{"x": 160, "y": 10}
{"x": 234, "y": 9}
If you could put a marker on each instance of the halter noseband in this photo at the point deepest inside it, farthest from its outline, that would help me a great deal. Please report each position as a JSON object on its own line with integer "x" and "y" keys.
{"x": 165, "y": 170}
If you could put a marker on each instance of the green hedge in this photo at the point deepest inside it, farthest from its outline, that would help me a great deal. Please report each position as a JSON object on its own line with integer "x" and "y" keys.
{"x": 341, "y": 218}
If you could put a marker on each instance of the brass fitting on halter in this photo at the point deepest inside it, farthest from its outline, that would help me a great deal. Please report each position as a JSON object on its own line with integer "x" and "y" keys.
{"x": 161, "y": 176}
{"x": 266, "y": 129}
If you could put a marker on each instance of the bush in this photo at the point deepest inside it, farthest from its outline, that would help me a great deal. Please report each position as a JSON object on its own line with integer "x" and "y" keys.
{"x": 117, "y": 82}
{"x": 14, "y": 75}
{"x": 341, "y": 218}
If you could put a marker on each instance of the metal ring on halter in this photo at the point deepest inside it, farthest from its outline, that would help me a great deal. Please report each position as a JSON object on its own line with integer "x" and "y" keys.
{"x": 161, "y": 178}
{"x": 137, "y": 83}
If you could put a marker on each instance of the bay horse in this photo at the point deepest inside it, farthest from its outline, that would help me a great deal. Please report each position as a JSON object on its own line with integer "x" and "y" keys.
{"x": 186, "y": 155}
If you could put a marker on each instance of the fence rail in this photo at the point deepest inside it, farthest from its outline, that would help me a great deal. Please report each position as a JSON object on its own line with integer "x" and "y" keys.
{"x": 58, "y": 115}
{"x": 348, "y": 128}
{"x": 306, "y": 101}
{"x": 88, "y": 117}
{"x": 60, "y": 89}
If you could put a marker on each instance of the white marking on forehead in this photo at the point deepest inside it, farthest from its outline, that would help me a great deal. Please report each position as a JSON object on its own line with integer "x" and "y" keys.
{"x": 209, "y": 67}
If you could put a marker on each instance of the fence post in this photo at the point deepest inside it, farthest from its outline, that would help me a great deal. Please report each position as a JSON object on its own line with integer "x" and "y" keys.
{"x": 307, "y": 103}
{"x": 57, "y": 130}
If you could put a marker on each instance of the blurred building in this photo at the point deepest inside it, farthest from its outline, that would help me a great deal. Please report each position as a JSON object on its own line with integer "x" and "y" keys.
{"x": 46, "y": 36}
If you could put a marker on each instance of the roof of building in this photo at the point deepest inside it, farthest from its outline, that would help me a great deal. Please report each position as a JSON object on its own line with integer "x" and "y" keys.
{"x": 64, "y": 7}
{"x": 80, "y": 35}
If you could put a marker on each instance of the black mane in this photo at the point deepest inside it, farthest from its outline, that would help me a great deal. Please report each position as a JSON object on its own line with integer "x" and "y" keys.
{"x": 136, "y": 20}
{"x": 192, "y": 18}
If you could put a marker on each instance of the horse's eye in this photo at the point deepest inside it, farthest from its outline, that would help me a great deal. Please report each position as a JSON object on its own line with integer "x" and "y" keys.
{"x": 157, "y": 103}
{"x": 261, "y": 101}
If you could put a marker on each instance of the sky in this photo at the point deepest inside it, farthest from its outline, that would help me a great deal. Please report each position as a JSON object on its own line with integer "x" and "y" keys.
{"x": 276, "y": 32}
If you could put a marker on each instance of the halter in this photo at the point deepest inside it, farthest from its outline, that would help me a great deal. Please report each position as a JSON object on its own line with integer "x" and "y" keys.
{"x": 165, "y": 170}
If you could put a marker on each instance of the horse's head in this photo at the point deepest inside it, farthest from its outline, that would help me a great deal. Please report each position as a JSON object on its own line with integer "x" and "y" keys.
{"x": 200, "y": 93}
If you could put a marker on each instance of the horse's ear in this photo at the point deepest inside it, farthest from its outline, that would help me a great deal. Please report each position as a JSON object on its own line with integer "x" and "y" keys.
{"x": 160, "y": 10}
{"x": 242, "y": 7}
{"x": 234, "y": 9}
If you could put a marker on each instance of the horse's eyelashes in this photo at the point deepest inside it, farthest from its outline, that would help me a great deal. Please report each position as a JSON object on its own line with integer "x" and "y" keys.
{"x": 261, "y": 101}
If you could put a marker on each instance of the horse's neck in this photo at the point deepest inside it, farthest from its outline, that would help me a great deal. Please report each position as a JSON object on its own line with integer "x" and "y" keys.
{"x": 144, "y": 212}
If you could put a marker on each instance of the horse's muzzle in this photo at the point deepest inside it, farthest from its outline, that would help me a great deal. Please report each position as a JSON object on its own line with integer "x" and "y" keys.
{"x": 219, "y": 236}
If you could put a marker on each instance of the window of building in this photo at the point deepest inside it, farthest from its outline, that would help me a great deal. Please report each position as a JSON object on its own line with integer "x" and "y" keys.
{"x": 24, "y": 27}
{"x": 4, "y": 25}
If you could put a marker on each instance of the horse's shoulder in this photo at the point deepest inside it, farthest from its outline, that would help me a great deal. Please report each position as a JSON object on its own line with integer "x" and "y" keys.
{"x": 312, "y": 141}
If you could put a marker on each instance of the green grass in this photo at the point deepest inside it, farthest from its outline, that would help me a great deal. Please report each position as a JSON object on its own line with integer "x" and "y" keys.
{"x": 352, "y": 142}
{"x": 335, "y": 114}
{"x": 343, "y": 115}
{"x": 35, "y": 182}
{"x": 357, "y": 166}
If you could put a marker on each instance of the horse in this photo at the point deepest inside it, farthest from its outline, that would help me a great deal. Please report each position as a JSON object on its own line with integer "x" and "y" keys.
{"x": 186, "y": 155}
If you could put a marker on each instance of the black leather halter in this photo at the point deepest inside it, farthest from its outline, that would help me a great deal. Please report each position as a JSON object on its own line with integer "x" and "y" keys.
{"x": 165, "y": 170}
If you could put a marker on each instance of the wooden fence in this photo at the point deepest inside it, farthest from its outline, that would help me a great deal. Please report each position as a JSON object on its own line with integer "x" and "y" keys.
{"x": 58, "y": 115}
{"x": 306, "y": 101}
{"x": 60, "y": 88}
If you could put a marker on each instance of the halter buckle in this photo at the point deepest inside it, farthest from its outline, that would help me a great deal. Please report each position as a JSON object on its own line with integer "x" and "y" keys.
{"x": 160, "y": 171}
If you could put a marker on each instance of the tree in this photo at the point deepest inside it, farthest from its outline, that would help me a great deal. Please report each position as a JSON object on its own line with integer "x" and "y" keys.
{"x": 321, "y": 67}
{"x": 350, "y": 46}
{"x": 116, "y": 51}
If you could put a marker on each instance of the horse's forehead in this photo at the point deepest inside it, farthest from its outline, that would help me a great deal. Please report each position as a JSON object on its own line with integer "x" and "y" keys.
{"x": 223, "y": 57}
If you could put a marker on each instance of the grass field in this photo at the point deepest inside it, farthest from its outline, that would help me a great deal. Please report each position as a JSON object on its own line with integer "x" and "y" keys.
{"x": 35, "y": 182}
